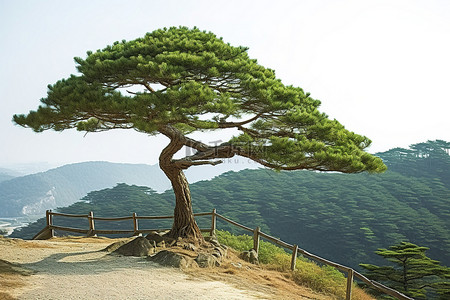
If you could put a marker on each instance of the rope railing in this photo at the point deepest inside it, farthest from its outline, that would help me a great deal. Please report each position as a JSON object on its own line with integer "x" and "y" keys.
{"x": 49, "y": 231}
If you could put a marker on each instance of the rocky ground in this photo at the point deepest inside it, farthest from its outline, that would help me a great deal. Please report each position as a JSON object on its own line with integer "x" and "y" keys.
{"x": 136, "y": 268}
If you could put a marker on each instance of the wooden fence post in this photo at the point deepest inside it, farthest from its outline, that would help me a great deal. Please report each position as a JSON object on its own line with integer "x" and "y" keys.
{"x": 256, "y": 239}
{"x": 294, "y": 257}
{"x": 213, "y": 223}
{"x": 91, "y": 225}
{"x": 48, "y": 232}
{"x": 348, "y": 295}
{"x": 135, "y": 224}
{"x": 49, "y": 218}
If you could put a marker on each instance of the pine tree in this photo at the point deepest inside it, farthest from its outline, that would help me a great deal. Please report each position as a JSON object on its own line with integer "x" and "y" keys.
{"x": 412, "y": 272}
{"x": 190, "y": 80}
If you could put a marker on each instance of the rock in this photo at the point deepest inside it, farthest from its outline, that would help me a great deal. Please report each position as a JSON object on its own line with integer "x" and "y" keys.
{"x": 115, "y": 246}
{"x": 139, "y": 246}
{"x": 154, "y": 236}
{"x": 245, "y": 255}
{"x": 206, "y": 260}
{"x": 160, "y": 240}
{"x": 170, "y": 259}
{"x": 250, "y": 256}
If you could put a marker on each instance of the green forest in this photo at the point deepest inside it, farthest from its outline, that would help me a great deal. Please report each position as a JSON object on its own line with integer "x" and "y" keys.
{"x": 342, "y": 217}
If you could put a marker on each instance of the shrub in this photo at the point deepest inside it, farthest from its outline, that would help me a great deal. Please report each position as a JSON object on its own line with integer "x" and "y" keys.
{"x": 323, "y": 279}
{"x": 267, "y": 250}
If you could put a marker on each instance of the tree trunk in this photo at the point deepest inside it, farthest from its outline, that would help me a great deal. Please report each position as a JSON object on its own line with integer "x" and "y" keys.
{"x": 184, "y": 224}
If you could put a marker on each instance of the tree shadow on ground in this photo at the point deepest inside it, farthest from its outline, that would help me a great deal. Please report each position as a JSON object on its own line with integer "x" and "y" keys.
{"x": 87, "y": 263}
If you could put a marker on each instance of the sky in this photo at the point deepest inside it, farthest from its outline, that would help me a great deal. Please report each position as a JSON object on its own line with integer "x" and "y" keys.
{"x": 381, "y": 68}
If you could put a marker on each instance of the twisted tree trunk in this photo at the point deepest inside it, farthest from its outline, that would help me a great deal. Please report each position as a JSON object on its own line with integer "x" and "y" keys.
{"x": 184, "y": 224}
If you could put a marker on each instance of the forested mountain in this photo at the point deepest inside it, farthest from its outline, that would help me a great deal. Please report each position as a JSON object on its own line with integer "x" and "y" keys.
{"x": 33, "y": 194}
{"x": 343, "y": 217}
{"x": 4, "y": 177}
{"x": 424, "y": 160}
{"x": 6, "y": 174}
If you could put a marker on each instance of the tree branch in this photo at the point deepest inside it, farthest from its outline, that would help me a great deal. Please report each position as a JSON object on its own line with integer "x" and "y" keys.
{"x": 219, "y": 152}
{"x": 130, "y": 92}
{"x": 148, "y": 87}
{"x": 308, "y": 165}
{"x": 238, "y": 124}
{"x": 173, "y": 133}
{"x": 274, "y": 166}
{"x": 195, "y": 144}
{"x": 184, "y": 163}
{"x": 206, "y": 153}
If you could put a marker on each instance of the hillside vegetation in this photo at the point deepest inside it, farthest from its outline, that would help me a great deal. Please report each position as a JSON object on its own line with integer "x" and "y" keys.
{"x": 33, "y": 194}
{"x": 7, "y": 174}
{"x": 341, "y": 217}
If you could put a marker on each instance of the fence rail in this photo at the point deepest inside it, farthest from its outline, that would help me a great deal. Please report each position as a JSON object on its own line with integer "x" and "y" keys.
{"x": 49, "y": 231}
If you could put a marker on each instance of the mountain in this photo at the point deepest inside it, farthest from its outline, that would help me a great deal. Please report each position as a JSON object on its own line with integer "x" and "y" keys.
{"x": 7, "y": 174}
{"x": 22, "y": 169}
{"x": 342, "y": 217}
{"x": 5, "y": 177}
{"x": 33, "y": 194}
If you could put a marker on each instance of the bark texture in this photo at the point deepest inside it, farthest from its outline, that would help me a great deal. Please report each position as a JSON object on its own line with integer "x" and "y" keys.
{"x": 184, "y": 224}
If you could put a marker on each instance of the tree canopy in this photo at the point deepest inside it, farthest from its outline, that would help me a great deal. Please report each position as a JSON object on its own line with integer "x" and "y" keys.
{"x": 191, "y": 80}
{"x": 413, "y": 272}
{"x": 176, "y": 81}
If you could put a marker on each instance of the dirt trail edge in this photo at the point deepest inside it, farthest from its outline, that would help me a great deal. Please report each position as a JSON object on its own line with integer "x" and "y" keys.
{"x": 74, "y": 268}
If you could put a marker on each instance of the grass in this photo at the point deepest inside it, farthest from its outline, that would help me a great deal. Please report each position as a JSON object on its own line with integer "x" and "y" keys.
{"x": 11, "y": 277}
{"x": 322, "y": 279}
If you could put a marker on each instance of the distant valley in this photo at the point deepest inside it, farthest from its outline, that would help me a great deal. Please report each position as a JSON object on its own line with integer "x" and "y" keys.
{"x": 31, "y": 195}
{"x": 343, "y": 217}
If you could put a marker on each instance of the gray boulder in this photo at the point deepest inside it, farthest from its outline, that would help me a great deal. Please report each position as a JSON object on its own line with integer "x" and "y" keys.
{"x": 154, "y": 236}
{"x": 139, "y": 246}
{"x": 160, "y": 240}
{"x": 114, "y": 246}
{"x": 250, "y": 256}
{"x": 171, "y": 259}
{"x": 206, "y": 260}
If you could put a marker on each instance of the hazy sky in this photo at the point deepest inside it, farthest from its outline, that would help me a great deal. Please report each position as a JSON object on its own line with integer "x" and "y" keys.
{"x": 381, "y": 68}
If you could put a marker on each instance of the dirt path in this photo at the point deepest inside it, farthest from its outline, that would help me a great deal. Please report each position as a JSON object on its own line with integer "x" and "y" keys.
{"x": 71, "y": 269}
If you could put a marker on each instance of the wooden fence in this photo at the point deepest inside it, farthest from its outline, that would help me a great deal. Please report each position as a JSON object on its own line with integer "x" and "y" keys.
{"x": 49, "y": 231}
